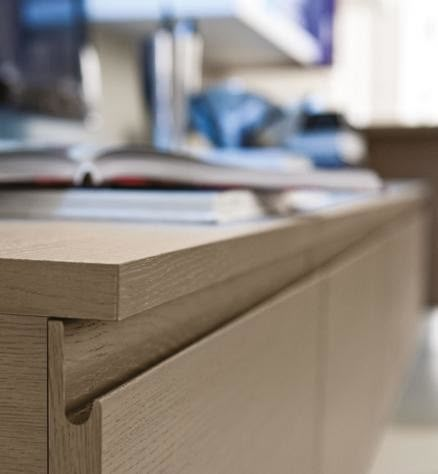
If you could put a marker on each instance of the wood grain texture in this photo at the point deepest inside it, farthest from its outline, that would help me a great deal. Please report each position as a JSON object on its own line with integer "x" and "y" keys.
{"x": 73, "y": 448}
{"x": 242, "y": 400}
{"x": 374, "y": 300}
{"x": 402, "y": 293}
{"x": 23, "y": 395}
{"x": 114, "y": 271}
{"x": 354, "y": 348}
{"x": 322, "y": 236}
{"x": 52, "y": 289}
{"x": 341, "y": 232}
{"x": 190, "y": 413}
{"x": 100, "y": 355}
{"x": 187, "y": 271}
{"x": 121, "y": 243}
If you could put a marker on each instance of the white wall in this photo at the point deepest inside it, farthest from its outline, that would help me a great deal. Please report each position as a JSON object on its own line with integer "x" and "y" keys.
{"x": 385, "y": 69}
{"x": 346, "y": 85}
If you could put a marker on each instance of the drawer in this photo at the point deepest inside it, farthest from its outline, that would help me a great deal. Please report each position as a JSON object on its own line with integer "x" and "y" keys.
{"x": 243, "y": 400}
{"x": 374, "y": 301}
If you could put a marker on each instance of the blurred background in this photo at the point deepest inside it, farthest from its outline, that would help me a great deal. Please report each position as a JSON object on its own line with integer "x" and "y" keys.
{"x": 372, "y": 60}
{"x": 236, "y": 74}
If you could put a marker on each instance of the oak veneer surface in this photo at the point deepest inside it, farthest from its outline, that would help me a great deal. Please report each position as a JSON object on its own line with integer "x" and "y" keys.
{"x": 235, "y": 403}
{"x": 243, "y": 400}
{"x": 104, "y": 271}
{"x": 23, "y": 395}
{"x": 402, "y": 294}
{"x": 121, "y": 243}
{"x": 142, "y": 424}
{"x": 100, "y": 355}
{"x": 73, "y": 448}
{"x": 367, "y": 308}
{"x": 374, "y": 301}
{"x": 353, "y": 364}
{"x": 114, "y": 271}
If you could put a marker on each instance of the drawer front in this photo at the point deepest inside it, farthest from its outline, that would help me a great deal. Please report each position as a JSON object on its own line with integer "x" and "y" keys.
{"x": 374, "y": 300}
{"x": 354, "y": 343}
{"x": 325, "y": 355}
{"x": 243, "y": 400}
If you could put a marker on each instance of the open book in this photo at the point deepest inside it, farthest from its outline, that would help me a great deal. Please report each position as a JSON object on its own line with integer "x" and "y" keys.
{"x": 137, "y": 166}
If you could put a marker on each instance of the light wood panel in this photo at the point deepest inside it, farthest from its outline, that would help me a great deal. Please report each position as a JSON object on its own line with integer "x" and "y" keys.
{"x": 353, "y": 353}
{"x": 340, "y": 229}
{"x": 252, "y": 386}
{"x": 23, "y": 395}
{"x": 110, "y": 272}
{"x": 402, "y": 292}
{"x": 100, "y": 355}
{"x": 53, "y": 289}
{"x": 243, "y": 400}
{"x": 177, "y": 274}
{"x": 233, "y": 403}
{"x": 166, "y": 418}
{"x": 98, "y": 290}
{"x": 121, "y": 243}
{"x": 73, "y": 448}
{"x": 322, "y": 236}
{"x": 374, "y": 301}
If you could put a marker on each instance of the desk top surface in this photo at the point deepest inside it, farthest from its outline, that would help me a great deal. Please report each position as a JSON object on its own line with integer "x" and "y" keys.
{"x": 110, "y": 243}
{"x": 115, "y": 270}
{"x": 107, "y": 243}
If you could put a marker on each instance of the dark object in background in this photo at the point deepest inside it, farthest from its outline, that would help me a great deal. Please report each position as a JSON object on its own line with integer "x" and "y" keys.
{"x": 322, "y": 121}
{"x": 4, "y": 92}
{"x": 40, "y": 45}
{"x": 410, "y": 153}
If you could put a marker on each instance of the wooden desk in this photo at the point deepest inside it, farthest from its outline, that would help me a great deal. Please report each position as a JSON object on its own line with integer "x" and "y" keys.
{"x": 269, "y": 347}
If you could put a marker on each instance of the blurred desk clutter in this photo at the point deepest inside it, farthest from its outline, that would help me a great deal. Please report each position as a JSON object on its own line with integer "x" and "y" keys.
{"x": 257, "y": 158}
{"x": 203, "y": 207}
{"x": 230, "y": 116}
{"x": 139, "y": 166}
{"x": 144, "y": 184}
{"x": 236, "y": 31}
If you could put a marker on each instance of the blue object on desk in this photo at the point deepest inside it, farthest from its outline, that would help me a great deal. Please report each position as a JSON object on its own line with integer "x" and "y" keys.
{"x": 229, "y": 116}
{"x": 329, "y": 148}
